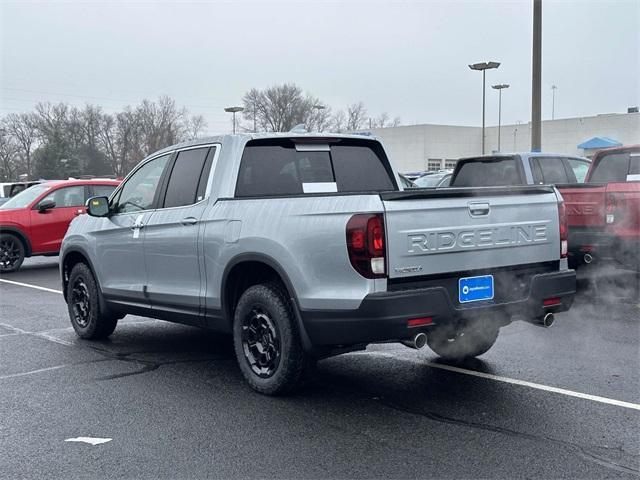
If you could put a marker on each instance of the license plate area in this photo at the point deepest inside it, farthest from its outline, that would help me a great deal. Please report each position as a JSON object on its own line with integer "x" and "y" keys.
{"x": 475, "y": 289}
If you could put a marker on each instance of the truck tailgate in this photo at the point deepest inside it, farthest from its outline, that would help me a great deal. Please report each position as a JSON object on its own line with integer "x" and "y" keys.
{"x": 585, "y": 204}
{"x": 460, "y": 229}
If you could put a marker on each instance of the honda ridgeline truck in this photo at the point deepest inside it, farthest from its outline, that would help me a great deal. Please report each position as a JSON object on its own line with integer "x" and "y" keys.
{"x": 305, "y": 246}
{"x": 603, "y": 214}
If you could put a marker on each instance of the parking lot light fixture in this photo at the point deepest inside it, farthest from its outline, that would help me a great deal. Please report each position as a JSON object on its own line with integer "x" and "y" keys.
{"x": 499, "y": 87}
{"x": 483, "y": 66}
{"x": 234, "y": 110}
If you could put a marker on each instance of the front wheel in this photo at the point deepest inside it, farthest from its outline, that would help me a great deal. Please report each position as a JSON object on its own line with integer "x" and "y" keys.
{"x": 267, "y": 342}
{"x": 83, "y": 301}
{"x": 11, "y": 253}
{"x": 464, "y": 341}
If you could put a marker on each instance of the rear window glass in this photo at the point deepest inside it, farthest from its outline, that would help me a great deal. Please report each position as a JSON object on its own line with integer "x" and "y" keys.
{"x": 613, "y": 167}
{"x": 634, "y": 164}
{"x": 275, "y": 168}
{"x": 487, "y": 172}
{"x": 580, "y": 169}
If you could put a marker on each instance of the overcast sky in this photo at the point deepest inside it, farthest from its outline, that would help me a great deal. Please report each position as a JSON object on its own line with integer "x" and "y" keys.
{"x": 406, "y": 58}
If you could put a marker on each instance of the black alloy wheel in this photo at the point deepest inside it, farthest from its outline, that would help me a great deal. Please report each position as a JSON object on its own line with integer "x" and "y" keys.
{"x": 261, "y": 342}
{"x": 11, "y": 253}
{"x": 80, "y": 302}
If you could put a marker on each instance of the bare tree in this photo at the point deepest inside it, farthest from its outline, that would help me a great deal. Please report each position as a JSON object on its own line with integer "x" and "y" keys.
{"x": 278, "y": 108}
{"x": 339, "y": 121}
{"x": 384, "y": 121}
{"x": 9, "y": 149}
{"x": 194, "y": 127}
{"x": 22, "y": 127}
{"x": 356, "y": 117}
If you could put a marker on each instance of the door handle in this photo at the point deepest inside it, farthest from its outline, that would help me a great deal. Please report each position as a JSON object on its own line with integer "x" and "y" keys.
{"x": 189, "y": 221}
{"x": 479, "y": 209}
{"x": 137, "y": 225}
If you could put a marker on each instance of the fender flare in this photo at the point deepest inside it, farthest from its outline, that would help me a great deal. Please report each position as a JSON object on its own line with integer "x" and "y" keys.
{"x": 21, "y": 235}
{"x": 81, "y": 251}
{"x": 271, "y": 262}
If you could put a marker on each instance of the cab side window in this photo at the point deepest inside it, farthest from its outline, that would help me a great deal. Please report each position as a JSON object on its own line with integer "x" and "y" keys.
{"x": 189, "y": 175}
{"x": 67, "y": 197}
{"x": 139, "y": 191}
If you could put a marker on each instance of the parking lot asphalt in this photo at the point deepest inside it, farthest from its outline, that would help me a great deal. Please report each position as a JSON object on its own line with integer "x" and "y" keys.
{"x": 562, "y": 402}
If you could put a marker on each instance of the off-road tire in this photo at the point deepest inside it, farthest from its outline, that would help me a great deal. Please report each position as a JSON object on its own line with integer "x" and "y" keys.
{"x": 294, "y": 366}
{"x": 17, "y": 251}
{"x": 468, "y": 341}
{"x": 96, "y": 324}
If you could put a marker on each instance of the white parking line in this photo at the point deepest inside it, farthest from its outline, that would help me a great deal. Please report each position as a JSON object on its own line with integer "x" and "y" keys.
{"x": 28, "y": 285}
{"x": 32, "y": 372}
{"x": 513, "y": 381}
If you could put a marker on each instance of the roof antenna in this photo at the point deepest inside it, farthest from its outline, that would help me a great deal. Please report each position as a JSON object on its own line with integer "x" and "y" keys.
{"x": 300, "y": 128}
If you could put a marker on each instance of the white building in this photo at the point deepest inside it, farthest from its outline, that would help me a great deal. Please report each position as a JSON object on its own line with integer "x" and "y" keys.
{"x": 431, "y": 147}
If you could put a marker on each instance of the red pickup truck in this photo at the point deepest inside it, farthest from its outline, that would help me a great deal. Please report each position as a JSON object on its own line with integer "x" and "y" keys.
{"x": 35, "y": 220}
{"x": 604, "y": 212}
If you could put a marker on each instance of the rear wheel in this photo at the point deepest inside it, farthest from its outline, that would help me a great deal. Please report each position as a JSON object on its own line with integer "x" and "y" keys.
{"x": 267, "y": 342}
{"x": 463, "y": 341}
{"x": 11, "y": 253}
{"x": 83, "y": 301}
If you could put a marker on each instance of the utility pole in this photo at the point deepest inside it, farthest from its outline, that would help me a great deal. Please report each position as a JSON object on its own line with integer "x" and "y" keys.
{"x": 536, "y": 79}
{"x": 553, "y": 102}
{"x": 499, "y": 87}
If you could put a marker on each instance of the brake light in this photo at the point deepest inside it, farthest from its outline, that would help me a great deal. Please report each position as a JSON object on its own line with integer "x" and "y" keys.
{"x": 564, "y": 230}
{"x": 365, "y": 244}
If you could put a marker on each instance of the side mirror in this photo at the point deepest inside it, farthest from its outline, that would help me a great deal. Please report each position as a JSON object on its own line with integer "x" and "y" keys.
{"x": 98, "y": 206}
{"x": 46, "y": 205}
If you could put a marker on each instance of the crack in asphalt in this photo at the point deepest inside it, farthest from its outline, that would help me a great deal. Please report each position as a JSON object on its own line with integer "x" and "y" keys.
{"x": 580, "y": 450}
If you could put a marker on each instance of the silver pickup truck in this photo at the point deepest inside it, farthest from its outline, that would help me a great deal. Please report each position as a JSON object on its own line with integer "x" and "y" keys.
{"x": 306, "y": 246}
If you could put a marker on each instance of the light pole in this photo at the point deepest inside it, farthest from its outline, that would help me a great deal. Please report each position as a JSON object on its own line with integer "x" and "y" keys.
{"x": 499, "y": 87}
{"x": 553, "y": 102}
{"x": 234, "y": 110}
{"x": 536, "y": 78}
{"x": 483, "y": 66}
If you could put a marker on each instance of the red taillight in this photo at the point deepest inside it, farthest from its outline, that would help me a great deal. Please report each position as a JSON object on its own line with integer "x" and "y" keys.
{"x": 611, "y": 204}
{"x": 564, "y": 230}
{"x": 418, "y": 322}
{"x": 551, "y": 302}
{"x": 365, "y": 244}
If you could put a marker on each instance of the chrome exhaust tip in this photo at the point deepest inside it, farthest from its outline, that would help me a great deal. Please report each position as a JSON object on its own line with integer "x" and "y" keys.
{"x": 548, "y": 320}
{"x": 587, "y": 258}
{"x": 418, "y": 341}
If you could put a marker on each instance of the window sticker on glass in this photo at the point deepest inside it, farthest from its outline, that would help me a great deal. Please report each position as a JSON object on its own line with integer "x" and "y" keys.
{"x": 319, "y": 187}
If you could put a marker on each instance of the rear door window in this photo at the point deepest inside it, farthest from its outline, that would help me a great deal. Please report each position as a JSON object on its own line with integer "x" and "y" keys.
{"x": 551, "y": 170}
{"x": 613, "y": 167}
{"x": 183, "y": 183}
{"x": 487, "y": 172}
{"x": 277, "y": 168}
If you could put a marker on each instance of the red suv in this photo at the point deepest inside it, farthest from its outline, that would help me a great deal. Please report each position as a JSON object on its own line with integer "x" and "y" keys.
{"x": 35, "y": 221}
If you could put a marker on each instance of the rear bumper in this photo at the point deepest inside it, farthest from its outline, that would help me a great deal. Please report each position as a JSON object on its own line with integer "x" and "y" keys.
{"x": 605, "y": 246}
{"x": 383, "y": 316}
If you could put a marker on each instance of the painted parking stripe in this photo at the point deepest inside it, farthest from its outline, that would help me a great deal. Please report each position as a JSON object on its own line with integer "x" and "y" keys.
{"x": 32, "y": 372}
{"x": 28, "y": 285}
{"x": 513, "y": 381}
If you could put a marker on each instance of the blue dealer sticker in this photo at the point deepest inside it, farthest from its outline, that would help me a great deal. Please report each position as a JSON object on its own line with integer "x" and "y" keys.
{"x": 473, "y": 289}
